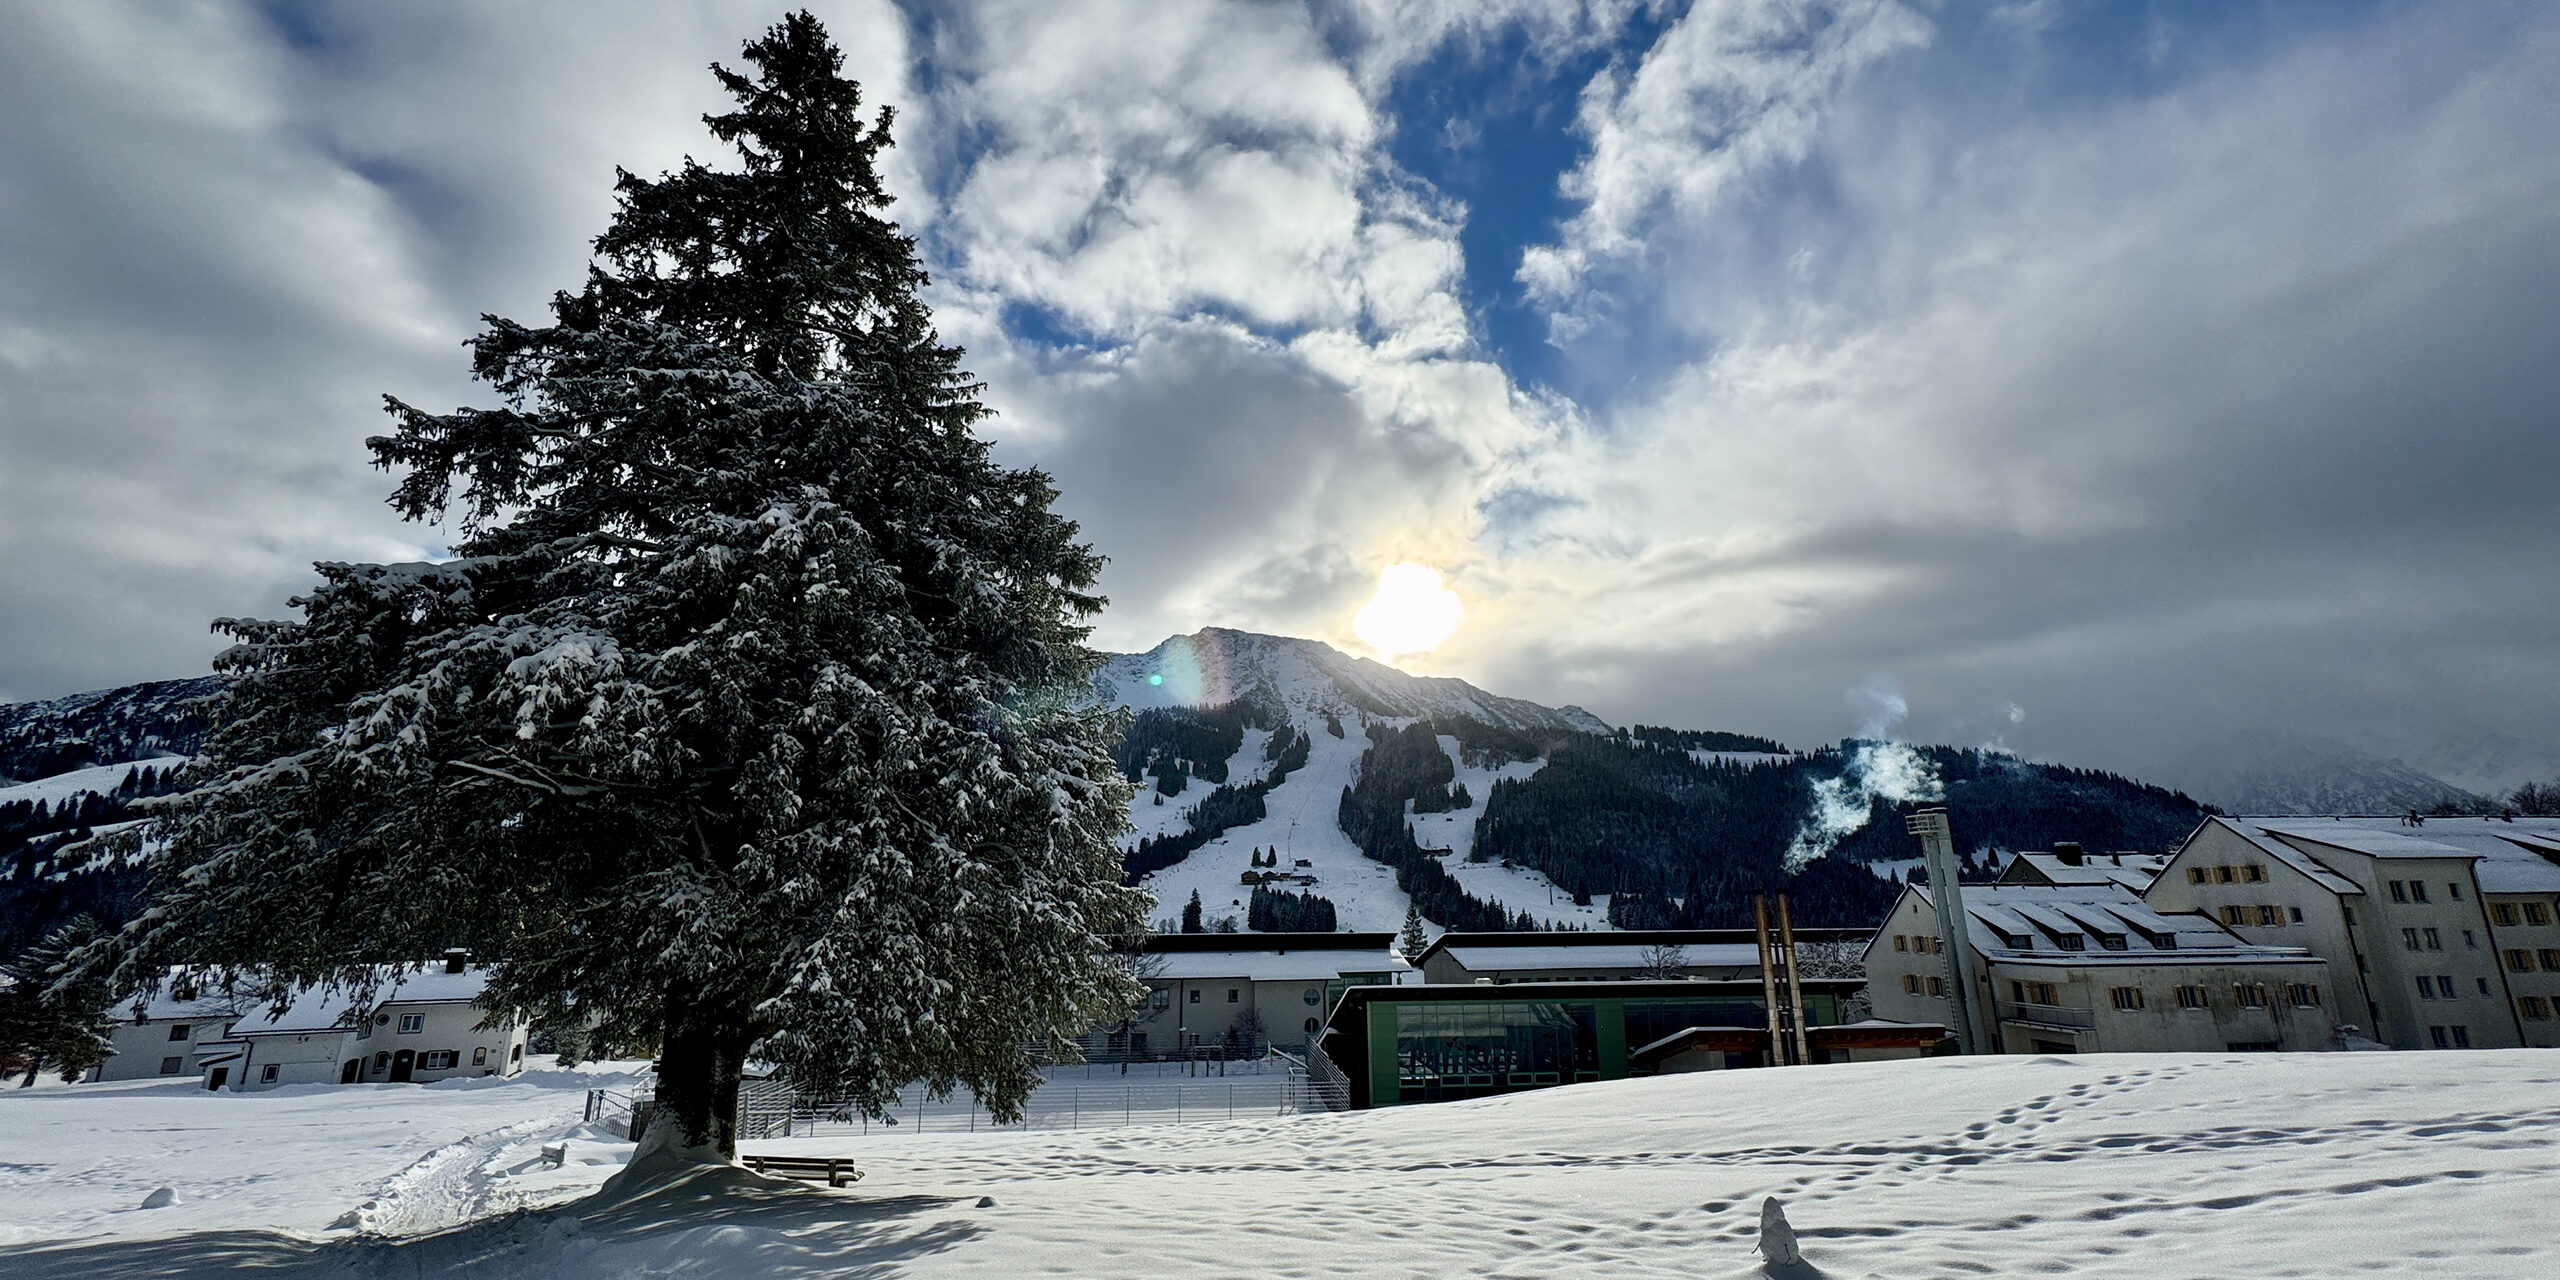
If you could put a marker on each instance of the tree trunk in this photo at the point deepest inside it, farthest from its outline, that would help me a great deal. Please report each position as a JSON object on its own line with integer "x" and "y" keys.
{"x": 699, "y": 1062}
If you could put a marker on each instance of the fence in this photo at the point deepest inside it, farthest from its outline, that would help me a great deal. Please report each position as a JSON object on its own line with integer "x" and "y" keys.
{"x": 1072, "y": 1099}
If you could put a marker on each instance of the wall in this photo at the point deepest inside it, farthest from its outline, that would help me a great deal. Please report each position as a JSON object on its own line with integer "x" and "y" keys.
{"x": 2541, "y": 981}
{"x": 2160, "y": 1025}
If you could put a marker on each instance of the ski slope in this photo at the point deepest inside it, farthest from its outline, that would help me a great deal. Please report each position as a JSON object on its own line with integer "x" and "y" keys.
{"x": 2272, "y": 1167}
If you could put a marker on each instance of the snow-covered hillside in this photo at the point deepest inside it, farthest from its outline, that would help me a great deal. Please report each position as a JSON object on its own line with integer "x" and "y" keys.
{"x": 1307, "y": 681}
{"x": 2259, "y": 1165}
{"x": 95, "y": 780}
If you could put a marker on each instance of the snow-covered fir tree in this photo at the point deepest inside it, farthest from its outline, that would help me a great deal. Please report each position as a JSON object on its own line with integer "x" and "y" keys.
{"x": 1415, "y": 939}
{"x": 751, "y": 717}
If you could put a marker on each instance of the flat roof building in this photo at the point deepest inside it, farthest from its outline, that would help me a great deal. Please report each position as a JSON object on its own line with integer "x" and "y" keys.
{"x": 1616, "y": 955}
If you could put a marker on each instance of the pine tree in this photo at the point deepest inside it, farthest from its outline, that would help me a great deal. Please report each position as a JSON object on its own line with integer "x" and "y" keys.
{"x": 752, "y": 716}
{"x": 1415, "y": 940}
{"x": 1191, "y": 914}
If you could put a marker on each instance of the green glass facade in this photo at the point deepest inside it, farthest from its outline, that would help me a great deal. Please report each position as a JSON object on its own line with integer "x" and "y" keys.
{"x": 1427, "y": 1050}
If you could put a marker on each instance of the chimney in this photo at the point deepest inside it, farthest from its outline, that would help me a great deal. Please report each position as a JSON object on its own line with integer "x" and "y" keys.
{"x": 454, "y": 958}
{"x": 2068, "y": 851}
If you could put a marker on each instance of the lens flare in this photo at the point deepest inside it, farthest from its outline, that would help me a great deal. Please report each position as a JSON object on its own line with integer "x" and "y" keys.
{"x": 1412, "y": 612}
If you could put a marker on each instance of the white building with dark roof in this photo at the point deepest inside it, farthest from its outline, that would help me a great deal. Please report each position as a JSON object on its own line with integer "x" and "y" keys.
{"x": 2444, "y": 932}
{"x": 1235, "y": 994}
{"x": 2093, "y": 968}
{"x": 1614, "y": 955}
{"x": 2067, "y": 865}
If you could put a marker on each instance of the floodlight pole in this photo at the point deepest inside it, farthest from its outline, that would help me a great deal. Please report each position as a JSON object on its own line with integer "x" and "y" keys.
{"x": 1938, "y": 845}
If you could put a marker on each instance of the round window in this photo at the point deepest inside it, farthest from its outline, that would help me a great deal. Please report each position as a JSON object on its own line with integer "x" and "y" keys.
{"x": 1314, "y": 995}
{"x": 1311, "y": 1026}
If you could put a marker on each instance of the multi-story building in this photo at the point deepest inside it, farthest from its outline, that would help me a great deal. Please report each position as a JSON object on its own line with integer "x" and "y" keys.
{"x": 1616, "y": 955}
{"x": 1237, "y": 993}
{"x": 424, "y": 1025}
{"x": 2092, "y": 968}
{"x": 2404, "y": 911}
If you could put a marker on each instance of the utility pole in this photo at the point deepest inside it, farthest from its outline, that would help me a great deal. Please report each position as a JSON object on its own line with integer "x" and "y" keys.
{"x": 1938, "y": 845}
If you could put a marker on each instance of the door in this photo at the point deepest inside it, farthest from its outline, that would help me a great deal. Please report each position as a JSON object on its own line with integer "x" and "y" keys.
{"x": 401, "y": 1062}
{"x": 348, "y": 1073}
{"x": 220, "y": 1074}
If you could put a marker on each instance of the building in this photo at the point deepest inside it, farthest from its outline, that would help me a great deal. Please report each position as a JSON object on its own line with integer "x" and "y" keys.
{"x": 1435, "y": 1042}
{"x": 1621, "y": 955}
{"x": 2442, "y": 933}
{"x": 2093, "y": 968}
{"x": 1235, "y": 994}
{"x": 2066, "y": 865}
{"x": 424, "y": 1026}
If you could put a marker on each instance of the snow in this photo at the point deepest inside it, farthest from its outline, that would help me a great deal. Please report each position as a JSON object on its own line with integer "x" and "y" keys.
{"x": 2134, "y": 1166}
{"x": 102, "y": 779}
{"x": 1627, "y": 956}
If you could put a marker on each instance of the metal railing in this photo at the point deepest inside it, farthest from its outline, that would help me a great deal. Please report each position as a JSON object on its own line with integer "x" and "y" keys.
{"x": 2050, "y": 1015}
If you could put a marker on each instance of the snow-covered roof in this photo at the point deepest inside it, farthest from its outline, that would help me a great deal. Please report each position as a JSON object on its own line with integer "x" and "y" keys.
{"x": 1627, "y": 956}
{"x": 2079, "y": 922}
{"x": 316, "y": 1009}
{"x": 2249, "y": 830}
{"x": 1273, "y": 966}
{"x": 2521, "y": 855}
{"x": 2134, "y": 871}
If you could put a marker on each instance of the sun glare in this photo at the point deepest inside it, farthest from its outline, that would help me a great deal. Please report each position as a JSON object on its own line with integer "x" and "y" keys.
{"x": 1412, "y": 612}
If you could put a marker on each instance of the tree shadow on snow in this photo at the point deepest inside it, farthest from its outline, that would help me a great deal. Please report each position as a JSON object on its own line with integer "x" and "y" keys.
{"x": 725, "y": 1223}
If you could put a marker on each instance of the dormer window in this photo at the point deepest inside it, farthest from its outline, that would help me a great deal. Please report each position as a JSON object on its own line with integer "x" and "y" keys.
{"x": 2112, "y": 941}
{"x": 2072, "y": 942}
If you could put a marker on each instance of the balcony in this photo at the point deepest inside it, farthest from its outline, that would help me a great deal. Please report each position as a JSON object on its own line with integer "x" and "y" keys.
{"x": 2057, "y": 1017}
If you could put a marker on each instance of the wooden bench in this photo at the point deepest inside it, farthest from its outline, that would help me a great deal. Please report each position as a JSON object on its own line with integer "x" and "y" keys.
{"x": 835, "y": 1171}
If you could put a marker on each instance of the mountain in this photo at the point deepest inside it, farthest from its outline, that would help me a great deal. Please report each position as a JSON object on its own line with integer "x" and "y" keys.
{"x": 1215, "y": 665}
{"x": 2267, "y": 773}
{"x": 109, "y": 726}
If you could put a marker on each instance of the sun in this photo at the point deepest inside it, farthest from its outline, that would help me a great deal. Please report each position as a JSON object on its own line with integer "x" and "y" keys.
{"x": 1412, "y": 612}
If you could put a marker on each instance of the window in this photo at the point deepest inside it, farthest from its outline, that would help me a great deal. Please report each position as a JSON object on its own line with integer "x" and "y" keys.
{"x": 2536, "y": 913}
{"x": 2125, "y": 997}
{"x": 2504, "y": 914}
{"x": 2484, "y": 985}
{"x": 1311, "y": 997}
{"x": 2435, "y": 941}
{"x": 2417, "y": 891}
{"x": 2254, "y": 873}
{"x": 2302, "y": 995}
{"x": 2072, "y": 941}
{"x": 2399, "y": 891}
{"x": 2031, "y": 992}
{"x": 2461, "y": 1036}
{"x": 2223, "y": 875}
{"x": 2251, "y": 995}
{"x": 412, "y": 1023}
{"x": 1231, "y": 995}
{"x": 2469, "y": 941}
{"x": 177, "y": 1031}
{"x": 2235, "y": 915}
{"x": 2112, "y": 941}
{"x": 2426, "y": 987}
{"x": 2271, "y": 915}
{"x": 172, "y": 1066}
{"x": 2251, "y": 1046}
{"x": 2438, "y": 1035}
{"x": 2409, "y": 939}
{"x": 1937, "y": 986}
{"x": 2297, "y": 915}
{"x": 480, "y": 1055}
{"x": 2191, "y": 998}
{"x": 437, "y": 1060}
{"x": 2453, "y": 890}
{"x": 1911, "y": 984}
{"x": 1901, "y": 942}
{"x": 2533, "y": 1008}
{"x": 2195, "y": 875}
{"x": 1195, "y": 995}
{"x": 2348, "y": 913}
{"x": 1164, "y": 998}
{"x": 2519, "y": 960}
{"x": 2550, "y": 958}
{"x": 267, "y": 1074}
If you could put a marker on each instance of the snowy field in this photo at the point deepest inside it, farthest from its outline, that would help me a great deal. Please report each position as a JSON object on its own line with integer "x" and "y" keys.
{"x": 2438, "y": 1165}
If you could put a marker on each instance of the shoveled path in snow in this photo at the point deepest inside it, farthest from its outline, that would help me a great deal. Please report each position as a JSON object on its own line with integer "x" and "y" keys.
{"x": 2436, "y": 1165}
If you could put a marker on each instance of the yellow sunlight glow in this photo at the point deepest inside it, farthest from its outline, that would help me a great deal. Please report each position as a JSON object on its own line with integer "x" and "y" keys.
{"x": 1412, "y": 612}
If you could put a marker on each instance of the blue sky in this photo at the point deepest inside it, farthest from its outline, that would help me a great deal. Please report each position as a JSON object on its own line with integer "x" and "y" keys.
{"x": 2109, "y": 378}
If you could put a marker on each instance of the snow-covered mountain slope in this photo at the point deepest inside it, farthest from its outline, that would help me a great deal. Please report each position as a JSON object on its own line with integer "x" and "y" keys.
{"x": 1215, "y": 665}
{"x": 1306, "y": 681}
{"x": 101, "y": 780}
{"x": 110, "y": 726}
{"x": 2282, "y": 774}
